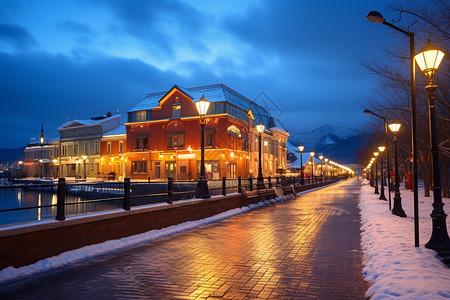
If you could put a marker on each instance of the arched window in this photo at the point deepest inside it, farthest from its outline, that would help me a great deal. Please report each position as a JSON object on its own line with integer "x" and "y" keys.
{"x": 233, "y": 130}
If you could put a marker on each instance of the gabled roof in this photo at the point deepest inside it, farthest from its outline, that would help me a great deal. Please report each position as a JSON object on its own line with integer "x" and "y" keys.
{"x": 90, "y": 122}
{"x": 214, "y": 93}
{"x": 275, "y": 123}
{"x": 306, "y": 155}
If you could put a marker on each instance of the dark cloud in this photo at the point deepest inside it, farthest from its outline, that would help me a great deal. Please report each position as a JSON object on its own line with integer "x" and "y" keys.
{"x": 16, "y": 36}
{"x": 161, "y": 25}
{"x": 53, "y": 88}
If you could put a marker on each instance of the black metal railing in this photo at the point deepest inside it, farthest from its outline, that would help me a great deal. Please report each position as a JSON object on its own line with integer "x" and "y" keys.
{"x": 62, "y": 199}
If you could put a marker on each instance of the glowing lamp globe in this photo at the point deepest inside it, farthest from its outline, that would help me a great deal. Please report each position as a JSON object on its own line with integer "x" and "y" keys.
{"x": 260, "y": 127}
{"x": 429, "y": 59}
{"x": 395, "y": 127}
{"x": 202, "y": 106}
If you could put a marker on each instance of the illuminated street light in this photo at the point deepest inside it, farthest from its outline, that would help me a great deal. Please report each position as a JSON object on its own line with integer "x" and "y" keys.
{"x": 84, "y": 160}
{"x": 202, "y": 108}
{"x": 326, "y": 169}
{"x": 41, "y": 143}
{"x": 377, "y": 17}
{"x": 312, "y": 166}
{"x": 369, "y": 112}
{"x": 398, "y": 209}
{"x": 260, "y": 181}
{"x": 321, "y": 167}
{"x": 301, "y": 148}
{"x": 376, "y": 172}
{"x": 382, "y": 196}
{"x": 428, "y": 60}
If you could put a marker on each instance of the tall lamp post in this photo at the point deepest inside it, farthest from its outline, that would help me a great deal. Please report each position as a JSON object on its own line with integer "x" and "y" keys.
{"x": 312, "y": 166}
{"x": 41, "y": 143}
{"x": 376, "y": 172}
{"x": 372, "y": 180}
{"x": 84, "y": 160}
{"x": 55, "y": 161}
{"x": 301, "y": 148}
{"x": 326, "y": 169}
{"x": 377, "y": 17}
{"x": 260, "y": 181}
{"x": 202, "y": 185}
{"x": 398, "y": 209}
{"x": 382, "y": 196}
{"x": 369, "y": 112}
{"x": 428, "y": 60}
{"x": 321, "y": 167}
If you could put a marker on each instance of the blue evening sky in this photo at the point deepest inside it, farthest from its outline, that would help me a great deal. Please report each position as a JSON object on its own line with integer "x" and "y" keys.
{"x": 64, "y": 60}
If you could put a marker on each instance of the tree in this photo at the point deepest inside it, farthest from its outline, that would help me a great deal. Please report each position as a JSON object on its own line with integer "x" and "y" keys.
{"x": 392, "y": 98}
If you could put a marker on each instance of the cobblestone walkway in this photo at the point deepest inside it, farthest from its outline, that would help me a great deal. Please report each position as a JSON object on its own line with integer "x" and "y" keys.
{"x": 307, "y": 248}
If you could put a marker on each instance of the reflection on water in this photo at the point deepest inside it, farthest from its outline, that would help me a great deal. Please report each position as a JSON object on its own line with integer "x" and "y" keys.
{"x": 45, "y": 202}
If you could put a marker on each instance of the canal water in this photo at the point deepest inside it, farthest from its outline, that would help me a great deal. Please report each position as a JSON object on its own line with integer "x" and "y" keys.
{"x": 24, "y": 198}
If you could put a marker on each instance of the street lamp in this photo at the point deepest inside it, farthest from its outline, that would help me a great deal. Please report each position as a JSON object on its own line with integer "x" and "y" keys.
{"x": 40, "y": 167}
{"x": 54, "y": 167}
{"x": 428, "y": 60}
{"x": 321, "y": 167}
{"x": 312, "y": 166}
{"x": 202, "y": 185}
{"x": 369, "y": 112}
{"x": 376, "y": 172}
{"x": 372, "y": 180}
{"x": 41, "y": 143}
{"x": 382, "y": 196}
{"x": 260, "y": 181}
{"x": 301, "y": 148}
{"x": 377, "y": 17}
{"x": 398, "y": 209}
{"x": 84, "y": 160}
{"x": 326, "y": 169}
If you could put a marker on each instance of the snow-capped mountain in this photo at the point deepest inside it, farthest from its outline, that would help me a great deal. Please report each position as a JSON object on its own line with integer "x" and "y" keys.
{"x": 324, "y": 135}
{"x": 339, "y": 143}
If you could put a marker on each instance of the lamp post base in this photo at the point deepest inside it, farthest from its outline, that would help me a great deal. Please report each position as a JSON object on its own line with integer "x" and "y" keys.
{"x": 202, "y": 188}
{"x": 439, "y": 240}
{"x": 376, "y": 190}
{"x": 260, "y": 183}
{"x": 398, "y": 209}
{"x": 382, "y": 196}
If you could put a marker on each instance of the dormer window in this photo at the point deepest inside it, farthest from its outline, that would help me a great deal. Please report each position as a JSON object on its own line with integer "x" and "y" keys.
{"x": 176, "y": 110}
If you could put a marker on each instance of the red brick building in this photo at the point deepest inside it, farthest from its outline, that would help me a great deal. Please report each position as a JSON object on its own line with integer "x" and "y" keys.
{"x": 163, "y": 136}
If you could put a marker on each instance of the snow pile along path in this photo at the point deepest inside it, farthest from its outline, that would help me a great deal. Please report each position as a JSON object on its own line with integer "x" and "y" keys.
{"x": 393, "y": 266}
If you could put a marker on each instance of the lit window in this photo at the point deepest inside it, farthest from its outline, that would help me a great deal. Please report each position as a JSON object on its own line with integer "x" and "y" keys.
{"x": 175, "y": 142}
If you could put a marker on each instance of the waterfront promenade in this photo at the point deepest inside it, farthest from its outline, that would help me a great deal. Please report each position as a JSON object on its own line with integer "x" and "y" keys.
{"x": 306, "y": 248}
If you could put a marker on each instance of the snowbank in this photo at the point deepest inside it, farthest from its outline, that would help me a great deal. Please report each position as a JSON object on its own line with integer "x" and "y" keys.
{"x": 395, "y": 268}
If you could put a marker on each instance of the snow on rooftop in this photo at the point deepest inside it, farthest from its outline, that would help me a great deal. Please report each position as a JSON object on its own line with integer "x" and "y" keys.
{"x": 121, "y": 129}
{"x": 214, "y": 93}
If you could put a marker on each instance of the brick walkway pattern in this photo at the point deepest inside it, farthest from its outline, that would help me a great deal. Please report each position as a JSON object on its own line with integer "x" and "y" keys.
{"x": 306, "y": 248}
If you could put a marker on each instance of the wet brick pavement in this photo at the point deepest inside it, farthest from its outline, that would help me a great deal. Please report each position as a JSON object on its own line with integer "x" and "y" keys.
{"x": 306, "y": 248}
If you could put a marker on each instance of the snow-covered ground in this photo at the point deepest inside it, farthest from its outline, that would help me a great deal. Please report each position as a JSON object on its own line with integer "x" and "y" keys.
{"x": 393, "y": 266}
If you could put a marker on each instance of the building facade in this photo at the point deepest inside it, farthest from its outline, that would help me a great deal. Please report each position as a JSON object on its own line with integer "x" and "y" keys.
{"x": 164, "y": 136}
{"x": 80, "y": 145}
{"x": 113, "y": 159}
{"x": 41, "y": 159}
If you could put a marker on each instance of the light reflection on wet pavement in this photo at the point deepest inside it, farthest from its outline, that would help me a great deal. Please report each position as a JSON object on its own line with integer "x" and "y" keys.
{"x": 303, "y": 248}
